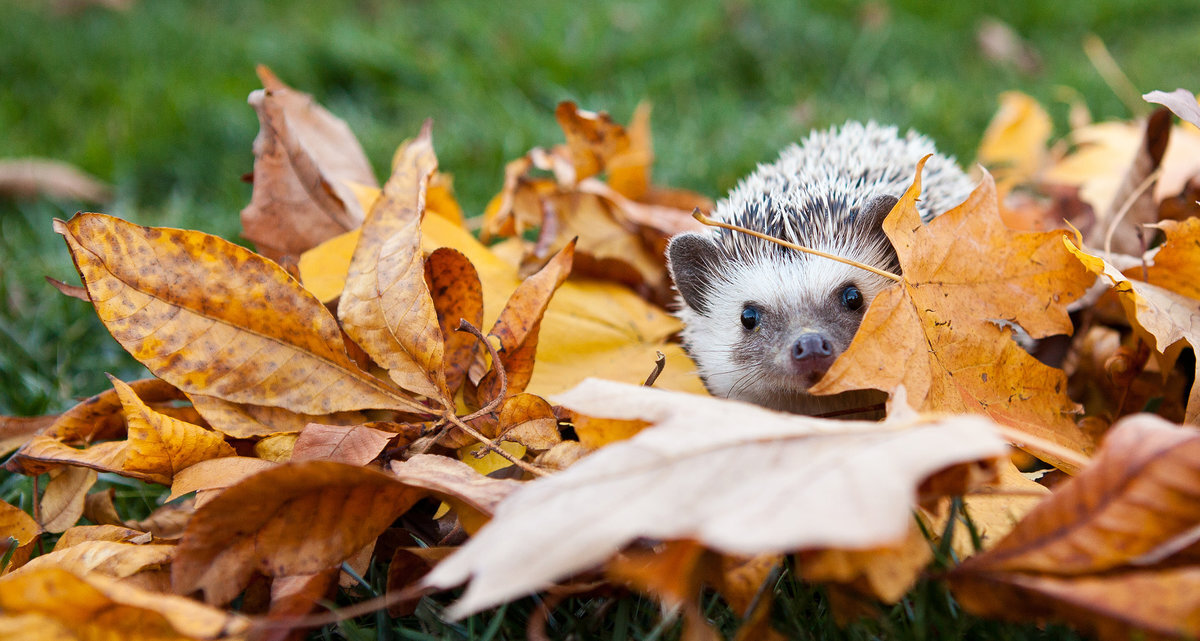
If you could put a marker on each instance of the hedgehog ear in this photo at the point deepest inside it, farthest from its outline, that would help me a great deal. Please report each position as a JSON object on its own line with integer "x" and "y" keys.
{"x": 872, "y": 214}
{"x": 693, "y": 260}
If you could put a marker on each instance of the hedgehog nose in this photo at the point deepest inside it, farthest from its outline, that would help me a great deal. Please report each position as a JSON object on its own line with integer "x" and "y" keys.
{"x": 812, "y": 346}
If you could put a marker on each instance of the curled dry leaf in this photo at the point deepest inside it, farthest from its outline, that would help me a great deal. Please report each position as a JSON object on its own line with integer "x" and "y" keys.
{"x": 518, "y": 325}
{"x": 1164, "y": 313}
{"x": 385, "y": 306}
{"x": 95, "y": 606}
{"x": 86, "y": 533}
{"x": 529, "y": 420}
{"x": 160, "y": 445}
{"x": 215, "y": 474}
{"x": 933, "y": 333}
{"x": 102, "y": 416}
{"x": 457, "y": 295}
{"x": 1104, "y": 541}
{"x": 693, "y": 476}
{"x": 62, "y": 502}
{"x": 16, "y": 524}
{"x": 305, "y": 160}
{"x": 473, "y": 495}
{"x": 291, "y": 519}
{"x": 192, "y": 307}
{"x": 1181, "y": 102}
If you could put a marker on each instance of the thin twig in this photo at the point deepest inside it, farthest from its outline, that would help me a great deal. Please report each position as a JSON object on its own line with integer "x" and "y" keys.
{"x": 660, "y": 361}
{"x": 698, "y": 215}
{"x": 1128, "y": 204}
{"x": 1022, "y": 439}
{"x": 491, "y": 445}
{"x": 1097, "y": 52}
{"x": 464, "y": 326}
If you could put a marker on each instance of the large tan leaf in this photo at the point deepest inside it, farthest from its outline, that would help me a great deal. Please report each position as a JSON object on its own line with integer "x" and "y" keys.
{"x": 729, "y": 475}
{"x": 292, "y": 519}
{"x": 98, "y": 607}
{"x": 159, "y": 445}
{"x": 1100, "y": 552}
{"x": 305, "y": 159}
{"x": 935, "y": 332}
{"x": 385, "y": 306}
{"x": 216, "y": 319}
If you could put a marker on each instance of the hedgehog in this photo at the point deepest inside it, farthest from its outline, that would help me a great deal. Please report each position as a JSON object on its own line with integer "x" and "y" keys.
{"x": 764, "y": 322}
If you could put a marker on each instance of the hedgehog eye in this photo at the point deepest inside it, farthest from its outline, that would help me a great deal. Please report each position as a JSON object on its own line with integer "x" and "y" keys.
{"x": 750, "y": 317}
{"x": 852, "y": 299}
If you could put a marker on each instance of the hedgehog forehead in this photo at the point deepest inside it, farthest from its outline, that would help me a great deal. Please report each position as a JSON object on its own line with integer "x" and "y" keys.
{"x": 792, "y": 284}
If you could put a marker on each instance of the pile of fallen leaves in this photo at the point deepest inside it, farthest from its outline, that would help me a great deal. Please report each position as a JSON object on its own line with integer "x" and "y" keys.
{"x": 377, "y": 386}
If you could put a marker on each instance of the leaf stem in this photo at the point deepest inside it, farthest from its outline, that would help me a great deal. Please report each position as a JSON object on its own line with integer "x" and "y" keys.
{"x": 491, "y": 445}
{"x": 698, "y": 215}
{"x": 464, "y": 326}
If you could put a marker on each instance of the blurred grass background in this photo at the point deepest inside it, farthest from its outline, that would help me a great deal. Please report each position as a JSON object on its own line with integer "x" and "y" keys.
{"x": 152, "y": 98}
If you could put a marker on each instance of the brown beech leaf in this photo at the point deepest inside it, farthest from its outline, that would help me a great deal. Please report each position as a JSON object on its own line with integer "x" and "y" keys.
{"x": 1164, "y": 313}
{"x": 213, "y": 318}
{"x": 385, "y": 306}
{"x": 457, "y": 295}
{"x": 934, "y": 332}
{"x": 99, "y": 607}
{"x": 86, "y": 533}
{"x": 592, "y": 138}
{"x": 42, "y": 454}
{"x": 305, "y": 159}
{"x": 519, "y": 322}
{"x": 354, "y": 444}
{"x": 62, "y": 503}
{"x": 244, "y": 420}
{"x": 1119, "y": 228}
{"x": 293, "y": 596}
{"x": 736, "y": 491}
{"x": 292, "y": 519}
{"x": 159, "y": 445}
{"x": 1103, "y": 542}
{"x": 885, "y": 573}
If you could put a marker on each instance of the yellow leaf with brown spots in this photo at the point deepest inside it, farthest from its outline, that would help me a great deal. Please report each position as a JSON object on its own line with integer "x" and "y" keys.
{"x": 213, "y": 318}
{"x": 385, "y": 306}
{"x": 936, "y": 333}
{"x": 159, "y": 445}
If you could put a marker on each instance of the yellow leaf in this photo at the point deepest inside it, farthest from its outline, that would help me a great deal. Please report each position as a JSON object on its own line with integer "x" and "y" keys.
{"x": 159, "y": 445}
{"x": 483, "y": 460}
{"x": 1014, "y": 147}
{"x": 216, "y": 319}
{"x": 276, "y": 448}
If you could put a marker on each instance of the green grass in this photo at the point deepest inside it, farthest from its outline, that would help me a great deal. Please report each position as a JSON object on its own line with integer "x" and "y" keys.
{"x": 153, "y": 100}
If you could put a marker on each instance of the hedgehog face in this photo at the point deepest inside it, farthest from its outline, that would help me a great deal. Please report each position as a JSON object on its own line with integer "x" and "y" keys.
{"x": 766, "y": 332}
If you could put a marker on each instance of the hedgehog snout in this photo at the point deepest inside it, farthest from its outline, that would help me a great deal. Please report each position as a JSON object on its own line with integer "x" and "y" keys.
{"x": 812, "y": 354}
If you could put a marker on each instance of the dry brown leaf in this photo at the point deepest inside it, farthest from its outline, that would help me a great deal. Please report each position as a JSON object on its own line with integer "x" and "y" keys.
{"x": 473, "y": 495}
{"x": 1104, "y": 540}
{"x": 663, "y": 484}
{"x": 529, "y": 420}
{"x": 293, "y": 519}
{"x": 167, "y": 521}
{"x": 592, "y": 138}
{"x": 32, "y": 177}
{"x": 305, "y": 159}
{"x": 457, "y": 296}
{"x": 385, "y": 306}
{"x": 934, "y": 333}
{"x": 98, "y": 607}
{"x": 160, "y": 445}
{"x": 885, "y": 573}
{"x": 672, "y": 573}
{"x": 355, "y": 444}
{"x": 42, "y": 454}
{"x": 102, "y": 416}
{"x": 193, "y": 307}
{"x": 518, "y": 325}
{"x": 293, "y": 596}
{"x": 86, "y": 533}
{"x": 62, "y": 503}
{"x": 1119, "y": 228}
